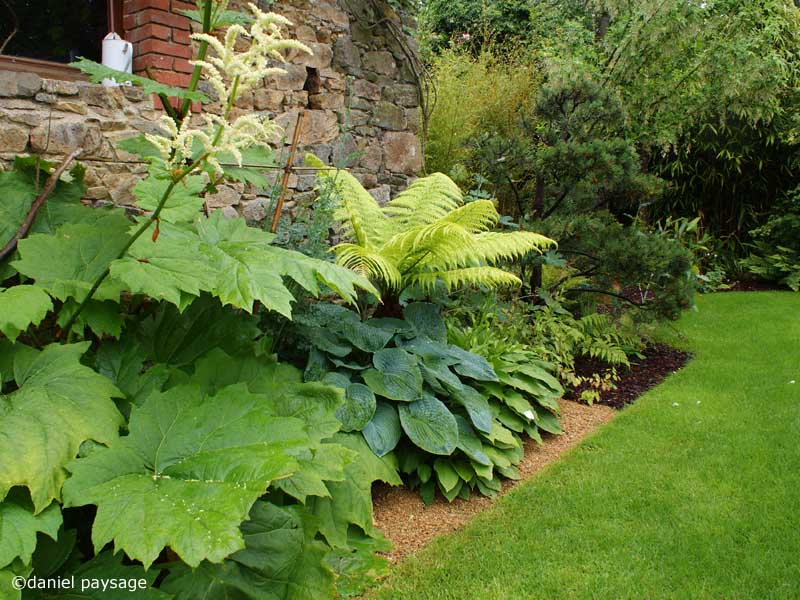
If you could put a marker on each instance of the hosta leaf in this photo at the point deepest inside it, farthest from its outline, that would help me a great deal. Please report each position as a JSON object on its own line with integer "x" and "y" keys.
{"x": 358, "y": 407}
{"x": 18, "y": 527}
{"x": 396, "y": 375}
{"x": 187, "y": 475}
{"x": 21, "y": 306}
{"x": 446, "y": 474}
{"x": 280, "y": 561}
{"x": 69, "y": 262}
{"x": 477, "y": 406}
{"x": 97, "y": 73}
{"x": 351, "y": 499}
{"x": 184, "y": 202}
{"x": 472, "y": 365}
{"x": 59, "y": 404}
{"x": 469, "y": 442}
{"x": 383, "y": 432}
{"x": 547, "y": 421}
{"x": 426, "y": 319}
{"x": 430, "y": 425}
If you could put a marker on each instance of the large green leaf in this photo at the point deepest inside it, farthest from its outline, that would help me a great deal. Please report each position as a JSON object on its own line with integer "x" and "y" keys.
{"x": 280, "y": 561}
{"x": 131, "y": 581}
{"x": 358, "y": 566}
{"x": 19, "y": 526}
{"x": 178, "y": 339}
{"x": 97, "y": 73}
{"x": 396, "y": 375}
{"x": 69, "y": 262}
{"x": 429, "y": 424}
{"x": 21, "y": 306}
{"x": 184, "y": 202}
{"x": 187, "y": 475}
{"x": 351, "y": 499}
{"x": 383, "y": 432}
{"x": 59, "y": 404}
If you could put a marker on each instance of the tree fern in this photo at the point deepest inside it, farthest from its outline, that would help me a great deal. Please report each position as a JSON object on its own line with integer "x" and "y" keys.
{"x": 426, "y": 235}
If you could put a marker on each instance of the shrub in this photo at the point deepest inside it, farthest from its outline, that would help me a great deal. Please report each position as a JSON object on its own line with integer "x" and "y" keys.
{"x": 451, "y": 419}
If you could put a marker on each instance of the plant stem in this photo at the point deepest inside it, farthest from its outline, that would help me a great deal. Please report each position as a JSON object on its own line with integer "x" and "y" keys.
{"x": 201, "y": 55}
{"x": 144, "y": 227}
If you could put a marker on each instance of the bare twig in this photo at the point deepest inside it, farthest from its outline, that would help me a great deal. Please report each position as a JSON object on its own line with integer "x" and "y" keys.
{"x": 15, "y": 28}
{"x": 37, "y": 204}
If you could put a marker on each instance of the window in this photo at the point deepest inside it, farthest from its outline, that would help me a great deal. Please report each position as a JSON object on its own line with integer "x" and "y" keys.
{"x": 42, "y": 36}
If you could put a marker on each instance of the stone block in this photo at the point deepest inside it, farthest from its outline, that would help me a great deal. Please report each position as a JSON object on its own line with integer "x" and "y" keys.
{"x": 24, "y": 85}
{"x": 389, "y": 116}
{"x": 380, "y": 62}
{"x": 62, "y": 137}
{"x": 404, "y": 94}
{"x": 346, "y": 56}
{"x": 264, "y": 99}
{"x": 402, "y": 152}
{"x": 293, "y": 78}
{"x": 13, "y": 138}
{"x": 63, "y": 88}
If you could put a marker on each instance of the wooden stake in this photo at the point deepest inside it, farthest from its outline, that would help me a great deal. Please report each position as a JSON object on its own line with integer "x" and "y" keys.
{"x": 286, "y": 172}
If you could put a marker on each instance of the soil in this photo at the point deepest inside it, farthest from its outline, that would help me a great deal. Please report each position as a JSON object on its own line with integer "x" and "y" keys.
{"x": 410, "y": 525}
{"x": 405, "y": 520}
{"x": 755, "y": 285}
{"x": 658, "y": 362}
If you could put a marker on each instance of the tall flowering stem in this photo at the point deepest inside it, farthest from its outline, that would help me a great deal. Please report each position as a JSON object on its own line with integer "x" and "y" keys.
{"x": 230, "y": 73}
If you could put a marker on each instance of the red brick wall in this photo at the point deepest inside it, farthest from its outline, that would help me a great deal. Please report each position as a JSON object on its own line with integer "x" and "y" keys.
{"x": 160, "y": 37}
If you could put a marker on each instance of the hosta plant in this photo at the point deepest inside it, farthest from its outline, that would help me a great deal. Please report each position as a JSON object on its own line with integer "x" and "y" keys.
{"x": 145, "y": 433}
{"x": 442, "y": 410}
{"x": 424, "y": 237}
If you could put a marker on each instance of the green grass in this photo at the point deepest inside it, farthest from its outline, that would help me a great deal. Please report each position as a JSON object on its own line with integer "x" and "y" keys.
{"x": 699, "y": 500}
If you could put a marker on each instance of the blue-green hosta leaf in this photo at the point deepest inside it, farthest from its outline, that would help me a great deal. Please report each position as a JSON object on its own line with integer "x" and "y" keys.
{"x": 396, "y": 375}
{"x": 184, "y": 202}
{"x": 469, "y": 442}
{"x": 547, "y": 421}
{"x": 97, "y": 73}
{"x": 18, "y": 528}
{"x": 21, "y": 306}
{"x": 59, "y": 404}
{"x": 346, "y": 324}
{"x": 69, "y": 262}
{"x": 281, "y": 561}
{"x": 187, "y": 475}
{"x": 383, "y": 432}
{"x": 351, "y": 499}
{"x": 426, "y": 319}
{"x": 358, "y": 407}
{"x": 472, "y": 365}
{"x": 477, "y": 406}
{"x": 430, "y": 425}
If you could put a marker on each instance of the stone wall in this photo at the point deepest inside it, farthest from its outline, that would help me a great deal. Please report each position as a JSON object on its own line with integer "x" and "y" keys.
{"x": 357, "y": 93}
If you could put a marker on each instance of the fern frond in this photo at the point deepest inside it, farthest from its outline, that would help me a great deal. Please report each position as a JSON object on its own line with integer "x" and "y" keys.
{"x": 369, "y": 263}
{"x": 475, "y": 217}
{"x": 488, "y": 276}
{"x": 425, "y": 201}
{"x": 493, "y": 246}
{"x": 358, "y": 211}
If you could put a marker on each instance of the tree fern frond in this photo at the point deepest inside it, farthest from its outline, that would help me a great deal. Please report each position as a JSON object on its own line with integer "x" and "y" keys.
{"x": 454, "y": 278}
{"x": 425, "y": 201}
{"x": 369, "y": 263}
{"x": 493, "y": 246}
{"x": 358, "y": 211}
{"x": 475, "y": 217}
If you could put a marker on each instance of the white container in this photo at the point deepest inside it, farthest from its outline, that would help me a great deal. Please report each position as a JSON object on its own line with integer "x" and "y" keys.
{"x": 118, "y": 55}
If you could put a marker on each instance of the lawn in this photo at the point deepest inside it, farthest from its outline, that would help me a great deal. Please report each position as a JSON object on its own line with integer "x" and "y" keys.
{"x": 693, "y": 492}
